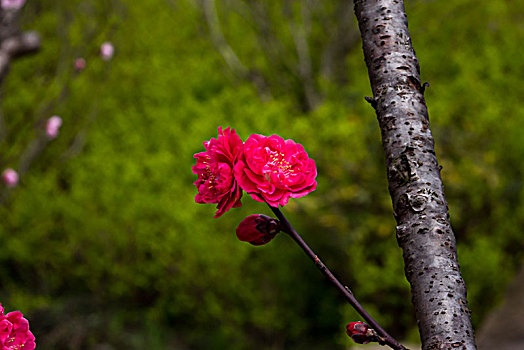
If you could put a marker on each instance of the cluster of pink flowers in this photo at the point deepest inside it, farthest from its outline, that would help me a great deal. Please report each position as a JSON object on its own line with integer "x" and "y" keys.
{"x": 14, "y": 332}
{"x": 269, "y": 168}
{"x": 12, "y": 4}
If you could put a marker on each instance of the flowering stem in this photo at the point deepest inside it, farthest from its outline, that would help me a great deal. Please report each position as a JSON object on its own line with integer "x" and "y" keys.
{"x": 385, "y": 338}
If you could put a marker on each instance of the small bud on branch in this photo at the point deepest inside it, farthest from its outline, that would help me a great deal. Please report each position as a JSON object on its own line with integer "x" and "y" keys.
{"x": 258, "y": 229}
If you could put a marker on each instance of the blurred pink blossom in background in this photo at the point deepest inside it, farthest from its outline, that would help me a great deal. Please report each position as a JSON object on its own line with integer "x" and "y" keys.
{"x": 52, "y": 126}
{"x": 10, "y": 177}
{"x": 14, "y": 332}
{"x": 80, "y": 64}
{"x": 106, "y": 51}
{"x": 12, "y": 4}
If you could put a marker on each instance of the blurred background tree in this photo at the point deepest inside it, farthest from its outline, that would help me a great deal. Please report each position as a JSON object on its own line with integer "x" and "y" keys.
{"x": 102, "y": 246}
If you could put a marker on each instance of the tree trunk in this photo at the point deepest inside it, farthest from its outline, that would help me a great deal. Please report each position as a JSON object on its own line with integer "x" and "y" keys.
{"x": 423, "y": 226}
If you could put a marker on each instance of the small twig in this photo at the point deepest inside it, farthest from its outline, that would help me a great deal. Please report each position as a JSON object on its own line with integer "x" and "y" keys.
{"x": 33, "y": 149}
{"x": 384, "y": 337}
{"x": 423, "y": 87}
{"x": 371, "y": 101}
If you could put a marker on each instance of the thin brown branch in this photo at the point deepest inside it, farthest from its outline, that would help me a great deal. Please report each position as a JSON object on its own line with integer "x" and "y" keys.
{"x": 384, "y": 337}
{"x": 33, "y": 149}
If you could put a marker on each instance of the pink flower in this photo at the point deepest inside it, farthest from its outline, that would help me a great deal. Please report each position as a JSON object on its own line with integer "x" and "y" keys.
{"x": 10, "y": 177}
{"x": 107, "y": 50}
{"x": 80, "y": 64}
{"x": 12, "y": 4}
{"x": 52, "y": 126}
{"x": 258, "y": 229}
{"x": 273, "y": 170}
{"x": 216, "y": 182}
{"x": 14, "y": 332}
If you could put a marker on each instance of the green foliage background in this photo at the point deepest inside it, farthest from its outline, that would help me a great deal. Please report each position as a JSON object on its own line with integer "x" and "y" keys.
{"x": 102, "y": 245}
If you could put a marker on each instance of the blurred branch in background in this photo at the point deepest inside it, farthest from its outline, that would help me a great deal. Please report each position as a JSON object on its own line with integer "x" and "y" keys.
{"x": 300, "y": 29}
{"x": 69, "y": 65}
{"x": 219, "y": 40}
{"x": 302, "y": 58}
{"x": 238, "y": 69}
{"x": 13, "y": 43}
{"x": 16, "y": 46}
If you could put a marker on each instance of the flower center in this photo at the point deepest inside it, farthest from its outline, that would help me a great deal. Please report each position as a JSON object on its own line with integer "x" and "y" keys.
{"x": 217, "y": 177}
{"x": 278, "y": 164}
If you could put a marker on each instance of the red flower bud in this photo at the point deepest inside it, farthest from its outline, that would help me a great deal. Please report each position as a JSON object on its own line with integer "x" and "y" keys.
{"x": 258, "y": 229}
{"x": 360, "y": 332}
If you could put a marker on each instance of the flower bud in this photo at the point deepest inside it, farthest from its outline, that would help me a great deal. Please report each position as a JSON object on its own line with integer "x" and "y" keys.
{"x": 12, "y": 4}
{"x": 258, "y": 229}
{"x": 52, "y": 126}
{"x": 10, "y": 177}
{"x": 106, "y": 51}
{"x": 80, "y": 64}
{"x": 360, "y": 332}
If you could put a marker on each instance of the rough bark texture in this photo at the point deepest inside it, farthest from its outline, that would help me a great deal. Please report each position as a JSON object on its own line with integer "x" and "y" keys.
{"x": 424, "y": 232}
